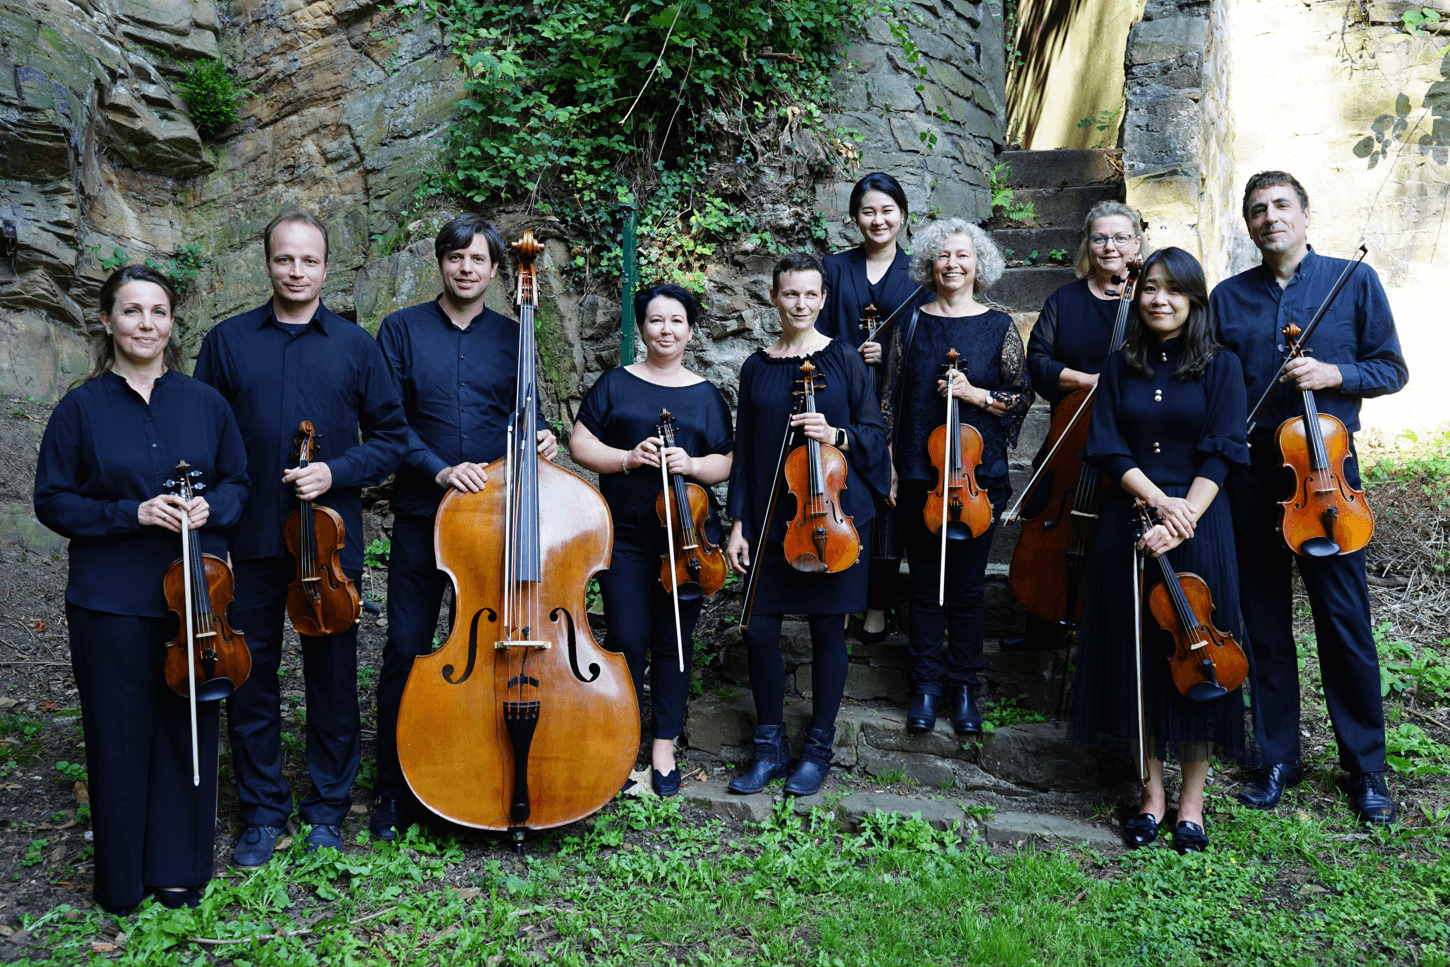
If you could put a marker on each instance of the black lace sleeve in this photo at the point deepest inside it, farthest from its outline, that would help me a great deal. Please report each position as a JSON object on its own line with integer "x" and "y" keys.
{"x": 1015, "y": 386}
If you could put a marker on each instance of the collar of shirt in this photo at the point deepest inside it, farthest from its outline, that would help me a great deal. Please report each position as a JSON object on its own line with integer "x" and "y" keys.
{"x": 444, "y": 318}
{"x": 324, "y": 317}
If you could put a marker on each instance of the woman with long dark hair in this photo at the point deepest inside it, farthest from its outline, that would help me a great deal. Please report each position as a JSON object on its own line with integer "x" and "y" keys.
{"x": 1168, "y": 426}
{"x": 616, "y": 436}
{"x": 110, "y": 445}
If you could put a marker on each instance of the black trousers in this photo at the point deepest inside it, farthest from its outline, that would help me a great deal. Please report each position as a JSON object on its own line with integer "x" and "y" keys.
{"x": 767, "y": 668}
{"x": 962, "y": 622}
{"x": 329, "y": 671}
{"x": 642, "y": 628}
{"x": 415, "y": 593}
{"x": 151, "y": 826}
{"x": 1339, "y": 600}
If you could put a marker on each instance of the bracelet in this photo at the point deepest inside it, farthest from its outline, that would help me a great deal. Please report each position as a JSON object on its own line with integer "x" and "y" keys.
{"x": 624, "y": 463}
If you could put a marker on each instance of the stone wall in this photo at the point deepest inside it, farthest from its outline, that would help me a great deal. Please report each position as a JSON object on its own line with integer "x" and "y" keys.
{"x": 1337, "y": 94}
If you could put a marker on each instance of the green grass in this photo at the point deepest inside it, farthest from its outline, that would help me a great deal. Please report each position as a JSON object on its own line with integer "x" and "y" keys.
{"x": 647, "y": 886}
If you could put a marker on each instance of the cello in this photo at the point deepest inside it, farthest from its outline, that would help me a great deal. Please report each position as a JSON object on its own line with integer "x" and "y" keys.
{"x": 321, "y": 600}
{"x": 956, "y": 508}
{"x": 520, "y": 720}
{"x": 1058, "y": 509}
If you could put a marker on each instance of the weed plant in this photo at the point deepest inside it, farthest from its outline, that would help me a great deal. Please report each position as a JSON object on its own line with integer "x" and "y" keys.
{"x": 213, "y": 96}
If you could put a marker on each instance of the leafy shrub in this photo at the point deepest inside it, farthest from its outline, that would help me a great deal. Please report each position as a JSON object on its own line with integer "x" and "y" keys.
{"x": 213, "y": 96}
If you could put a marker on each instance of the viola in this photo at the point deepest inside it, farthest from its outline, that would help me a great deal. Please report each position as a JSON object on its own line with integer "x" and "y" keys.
{"x": 520, "y": 720}
{"x": 695, "y": 567}
{"x": 1206, "y": 663}
{"x": 206, "y": 661}
{"x": 1059, "y": 506}
{"x": 819, "y": 538}
{"x": 956, "y": 508}
{"x": 1325, "y": 516}
{"x": 321, "y": 600}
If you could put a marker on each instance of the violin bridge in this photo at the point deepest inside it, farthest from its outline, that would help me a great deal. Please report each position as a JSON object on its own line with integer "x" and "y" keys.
{"x": 536, "y": 645}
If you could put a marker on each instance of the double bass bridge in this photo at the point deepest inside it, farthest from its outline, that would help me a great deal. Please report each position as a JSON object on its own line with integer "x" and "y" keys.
{"x": 536, "y": 645}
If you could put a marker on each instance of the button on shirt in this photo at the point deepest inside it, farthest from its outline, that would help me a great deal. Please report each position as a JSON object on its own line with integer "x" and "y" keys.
{"x": 458, "y": 389}
{"x": 329, "y": 372}
{"x": 105, "y": 451}
{"x": 1357, "y": 334}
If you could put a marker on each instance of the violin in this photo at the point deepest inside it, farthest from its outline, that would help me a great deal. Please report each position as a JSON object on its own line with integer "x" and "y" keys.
{"x": 1206, "y": 663}
{"x": 694, "y": 567}
{"x": 956, "y": 508}
{"x": 321, "y": 600}
{"x": 520, "y": 720}
{"x": 1058, "y": 509}
{"x": 207, "y": 661}
{"x": 819, "y": 538}
{"x": 1325, "y": 516}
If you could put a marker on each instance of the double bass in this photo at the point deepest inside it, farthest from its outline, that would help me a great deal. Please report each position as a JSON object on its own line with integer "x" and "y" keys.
{"x": 1059, "y": 506}
{"x": 520, "y": 720}
{"x": 321, "y": 600}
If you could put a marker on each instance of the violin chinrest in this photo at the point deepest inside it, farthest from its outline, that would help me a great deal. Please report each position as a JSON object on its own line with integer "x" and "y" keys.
{"x": 1319, "y": 547}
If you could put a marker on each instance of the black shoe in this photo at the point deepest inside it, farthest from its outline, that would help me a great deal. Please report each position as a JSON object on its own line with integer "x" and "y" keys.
{"x": 1189, "y": 838}
{"x": 1372, "y": 798}
{"x": 1141, "y": 830}
{"x": 665, "y": 785}
{"x": 873, "y": 637}
{"x": 324, "y": 836}
{"x": 176, "y": 899}
{"x": 815, "y": 762}
{"x": 1264, "y": 792}
{"x": 921, "y": 717}
{"x": 965, "y": 717}
{"x": 772, "y": 761}
{"x": 255, "y": 846}
{"x": 385, "y": 818}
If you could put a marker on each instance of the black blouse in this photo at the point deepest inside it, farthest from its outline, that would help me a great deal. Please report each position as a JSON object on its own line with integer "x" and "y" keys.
{"x": 849, "y": 291}
{"x": 621, "y": 410}
{"x": 1073, "y": 331}
{"x": 766, "y": 404}
{"x": 991, "y": 356}
{"x": 105, "y": 451}
{"x": 1173, "y": 430}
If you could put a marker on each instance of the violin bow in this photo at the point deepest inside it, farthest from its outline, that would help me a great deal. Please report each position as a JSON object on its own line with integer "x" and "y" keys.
{"x": 190, "y": 641}
{"x": 750, "y": 583}
{"x": 1304, "y": 336}
{"x": 1138, "y": 572}
{"x": 670, "y": 544}
{"x": 951, "y": 442}
{"x": 871, "y": 336}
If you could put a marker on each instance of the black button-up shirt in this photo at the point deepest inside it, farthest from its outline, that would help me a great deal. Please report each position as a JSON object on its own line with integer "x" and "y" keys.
{"x": 329, "y": 372}
{"x": 458, "y": 390}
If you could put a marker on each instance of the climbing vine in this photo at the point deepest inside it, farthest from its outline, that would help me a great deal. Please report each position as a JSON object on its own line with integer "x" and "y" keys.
{"x": 580, "y": 107}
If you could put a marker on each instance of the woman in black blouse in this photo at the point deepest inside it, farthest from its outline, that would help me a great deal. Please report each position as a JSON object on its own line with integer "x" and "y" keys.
{"x": 1168, "y": 426}
{"x": 848, "y": 417}
{"x": 616, "y": 436}
{"x": 955, "y": 260}
{"x": 108, "y": 450}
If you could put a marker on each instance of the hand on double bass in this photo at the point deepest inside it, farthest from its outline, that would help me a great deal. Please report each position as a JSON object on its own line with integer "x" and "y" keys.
{"x": 164, "y": 511}
{"x": 962, "y": 389}
{"x": 470, "y": 478}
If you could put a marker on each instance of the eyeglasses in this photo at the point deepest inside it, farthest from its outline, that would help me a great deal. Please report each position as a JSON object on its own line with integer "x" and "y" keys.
{"x": 1101, "y": 241}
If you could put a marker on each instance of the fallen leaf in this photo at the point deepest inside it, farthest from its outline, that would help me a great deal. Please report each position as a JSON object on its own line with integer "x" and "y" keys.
{"x": 57, "y": 854}
{"x": 49, "y": 707}
{"x": 8, "y": 702}
{"x": 102, "y": 948}
{"x": 40, "y": 625}
{"x": 83, "y": 795}
{"x": 467, "y": 892}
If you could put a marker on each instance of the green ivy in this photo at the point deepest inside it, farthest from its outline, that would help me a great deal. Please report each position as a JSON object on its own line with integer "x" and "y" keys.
{"x": 213, "y": 96}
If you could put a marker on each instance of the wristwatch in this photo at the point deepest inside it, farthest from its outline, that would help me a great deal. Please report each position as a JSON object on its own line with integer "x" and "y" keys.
{"x": 840, "y": 438}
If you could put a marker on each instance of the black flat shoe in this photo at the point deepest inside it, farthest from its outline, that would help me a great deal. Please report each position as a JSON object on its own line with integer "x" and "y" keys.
{"x": 873, "y": 637}
{"x": 1372, "y": 799}
{"x": 176, "y": 899}
{"x": 665, "y": 785}
{"x": 1265, "y": 791}
{"x": 921, "y": 716}
{"x": 1189, "y": 838}
{"x": 1141, "y": 830}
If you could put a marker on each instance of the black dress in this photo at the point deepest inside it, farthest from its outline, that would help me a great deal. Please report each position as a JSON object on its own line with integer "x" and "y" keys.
{"x": 1173, "y": 430}
{"x": 1073, "y": 331}
{"x": 766, "y": 403}
{"x": 621, "y": 410}
{"x": 990, "y": 353}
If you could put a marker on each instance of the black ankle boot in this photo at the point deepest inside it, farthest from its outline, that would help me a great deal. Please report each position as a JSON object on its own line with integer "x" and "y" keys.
{"x": 815, "y": 762}
{"x": 921, "y": 716}
{"x": 963, "y": 704}
{"x": 772, "y": 760}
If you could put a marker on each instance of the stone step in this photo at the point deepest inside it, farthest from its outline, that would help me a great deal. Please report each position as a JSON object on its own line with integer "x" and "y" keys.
{"x": 1065, "y": 166}
{"x": 997, "y": 825}
{"x": 1066, "y": 207}
{"x": 1020, "y": 243}
{"x": 1026, "y": 289}
{"x": 1013, "y": 762}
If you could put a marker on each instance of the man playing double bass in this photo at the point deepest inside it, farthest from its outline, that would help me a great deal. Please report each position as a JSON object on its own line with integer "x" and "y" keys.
{"x": 455, "y": 364}
{"x": 1356, "y": 355}
{"x": 289, "y": 360}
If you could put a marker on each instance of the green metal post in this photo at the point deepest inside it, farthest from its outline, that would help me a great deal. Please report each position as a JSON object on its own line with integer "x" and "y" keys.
{"x": 631, "y": 282}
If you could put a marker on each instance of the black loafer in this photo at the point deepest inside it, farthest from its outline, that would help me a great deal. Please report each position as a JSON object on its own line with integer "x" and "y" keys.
{"x": 921, "y": 716}
{"x": 1141, "y": 830}
{"x": 665, "y": 785}
{"x": 1189, "y": 838}
{"x": 1372, "y": 798}
{"x": 1264, "y": 792}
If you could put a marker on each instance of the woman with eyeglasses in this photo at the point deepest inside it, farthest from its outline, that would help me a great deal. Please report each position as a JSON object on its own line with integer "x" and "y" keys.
{"x": 1069, "y": 341}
